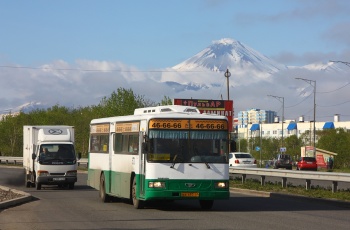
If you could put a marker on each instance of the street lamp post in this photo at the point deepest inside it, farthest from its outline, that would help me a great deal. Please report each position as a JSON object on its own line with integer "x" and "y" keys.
{"x": 281, "y": 99}
{"x": 314, "y": 131}
{"x": 227, "y": 75}
{"x": 260, "y": 135}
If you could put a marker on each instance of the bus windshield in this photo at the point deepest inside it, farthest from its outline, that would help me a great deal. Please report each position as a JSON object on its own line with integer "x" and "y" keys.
{"x": 188, "y": 146}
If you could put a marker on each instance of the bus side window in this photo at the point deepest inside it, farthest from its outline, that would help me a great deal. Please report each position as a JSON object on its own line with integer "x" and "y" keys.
{"x": 117, "y": 143}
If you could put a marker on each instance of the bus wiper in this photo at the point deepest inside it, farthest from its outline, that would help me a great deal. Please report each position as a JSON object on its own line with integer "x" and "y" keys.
{"x": 177, "y": 158}
{"x": 172, "y": 166}
{"x": 208, "y": 166}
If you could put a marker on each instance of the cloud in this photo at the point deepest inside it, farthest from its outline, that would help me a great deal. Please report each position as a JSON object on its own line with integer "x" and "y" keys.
{"x": 85, "y": 82}
{"x": 338, "y": 33}
{"x": 307, "y": 10}
{"x": 307, "y": 57}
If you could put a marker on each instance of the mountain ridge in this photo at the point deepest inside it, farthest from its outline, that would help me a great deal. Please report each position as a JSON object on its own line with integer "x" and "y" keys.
{"x": 228, "y": 53}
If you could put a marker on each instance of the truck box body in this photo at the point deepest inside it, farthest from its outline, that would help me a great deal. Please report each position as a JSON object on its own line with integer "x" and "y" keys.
{"x": 49, "y": 156}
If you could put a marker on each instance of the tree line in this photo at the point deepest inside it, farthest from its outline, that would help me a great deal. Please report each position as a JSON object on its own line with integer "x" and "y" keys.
{"x": 333, "y": 140}
{"x": 125, "y": 101}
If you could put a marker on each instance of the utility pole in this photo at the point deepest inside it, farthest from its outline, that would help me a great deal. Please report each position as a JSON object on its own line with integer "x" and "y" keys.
{"x": 281, "y": 99}
{"x": 314, "y": 132}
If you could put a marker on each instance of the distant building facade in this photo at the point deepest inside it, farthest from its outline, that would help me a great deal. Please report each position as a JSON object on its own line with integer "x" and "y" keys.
{"x": 252, "y": 116}
{"x": 290, "y": 127}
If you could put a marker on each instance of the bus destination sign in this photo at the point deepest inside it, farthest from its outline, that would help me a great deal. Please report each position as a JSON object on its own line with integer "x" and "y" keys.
{"x": 209, "y": 124}
{"x": 188, "y": 124}
{"x": 100, "y": 128}
{"x": 168, "y": 124}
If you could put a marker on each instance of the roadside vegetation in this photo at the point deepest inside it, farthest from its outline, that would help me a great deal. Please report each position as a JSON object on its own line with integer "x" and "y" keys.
{"x": 313, "y": 192}
{"x": 119, "y": 103}
{"x": 125, "y": 101}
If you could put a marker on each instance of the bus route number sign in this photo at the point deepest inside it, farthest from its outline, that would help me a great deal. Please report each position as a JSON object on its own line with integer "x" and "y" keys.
{"x": 168, "y": 124}
{"x": 209, "y": 124}
{"x": 188, "y": 124}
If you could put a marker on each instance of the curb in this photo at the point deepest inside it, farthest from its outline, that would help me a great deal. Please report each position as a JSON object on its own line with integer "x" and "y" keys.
{"x": 26, "y": 197}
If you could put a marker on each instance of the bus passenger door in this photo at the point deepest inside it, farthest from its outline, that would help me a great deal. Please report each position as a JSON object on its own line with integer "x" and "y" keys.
{"x": 142, "y": 164}
{"x": 115, "y": 175}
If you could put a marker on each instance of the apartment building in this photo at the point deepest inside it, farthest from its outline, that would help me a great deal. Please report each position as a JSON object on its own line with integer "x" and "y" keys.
{"x": 287, "y": 128}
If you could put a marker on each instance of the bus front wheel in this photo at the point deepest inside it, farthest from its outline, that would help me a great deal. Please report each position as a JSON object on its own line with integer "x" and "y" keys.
{"x": 103, "y": 195}
{"x": 138, "y": 204}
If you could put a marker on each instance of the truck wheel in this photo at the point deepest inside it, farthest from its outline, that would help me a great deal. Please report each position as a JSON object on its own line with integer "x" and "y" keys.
{"x": 103, "y": 196}
{"x": 138, "y": 204}
{"x": 27, "y": 183}
{"x": 206, "y": 204}
{"x": 32, "y": 179}
{"x": 38, "y": 185}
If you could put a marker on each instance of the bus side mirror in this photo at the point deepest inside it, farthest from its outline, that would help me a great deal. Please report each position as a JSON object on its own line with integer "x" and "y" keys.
{"x": 33, "y": 156}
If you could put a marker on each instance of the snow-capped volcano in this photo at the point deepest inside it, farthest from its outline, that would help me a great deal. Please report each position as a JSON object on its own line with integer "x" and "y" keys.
{"x": 246, "y": 65}
{"x": 230, "y": 54}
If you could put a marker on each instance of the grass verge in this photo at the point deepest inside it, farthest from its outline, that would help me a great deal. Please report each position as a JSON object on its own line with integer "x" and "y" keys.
{"x": 314, "y": 191}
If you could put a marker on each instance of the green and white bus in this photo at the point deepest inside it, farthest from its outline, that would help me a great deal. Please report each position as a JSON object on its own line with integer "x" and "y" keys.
{"x": 160, "y": 153}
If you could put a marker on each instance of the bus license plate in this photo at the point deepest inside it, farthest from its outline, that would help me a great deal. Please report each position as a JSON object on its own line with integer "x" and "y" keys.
{"x": 190, "y": 194}
{"x": 59, "y": 179}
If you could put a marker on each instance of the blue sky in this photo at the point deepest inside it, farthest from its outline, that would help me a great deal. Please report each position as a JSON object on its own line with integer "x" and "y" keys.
{"x": 158, "y": 34}
{"x": 131, "y": 43}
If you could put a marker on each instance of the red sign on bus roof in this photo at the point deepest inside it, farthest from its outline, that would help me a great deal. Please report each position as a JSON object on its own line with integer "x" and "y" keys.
{"x": 220, "y": 107}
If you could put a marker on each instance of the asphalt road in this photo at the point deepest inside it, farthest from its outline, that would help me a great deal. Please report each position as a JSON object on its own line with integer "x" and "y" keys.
{"x": 80, "y": 208}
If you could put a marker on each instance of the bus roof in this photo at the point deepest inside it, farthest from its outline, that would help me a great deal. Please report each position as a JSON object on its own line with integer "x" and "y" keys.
{"x": 168, "y": 111}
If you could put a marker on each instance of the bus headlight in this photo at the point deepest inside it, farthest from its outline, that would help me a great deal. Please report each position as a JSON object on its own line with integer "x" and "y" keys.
{"x": 156, "y": 184}
{"x": 221, "y": 185}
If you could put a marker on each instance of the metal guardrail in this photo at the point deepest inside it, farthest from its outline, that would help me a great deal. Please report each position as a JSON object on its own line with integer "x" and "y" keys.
{"x": 19, "y": 160}
{"x": 263, "y": 173}
{"x": 284, "y": 174}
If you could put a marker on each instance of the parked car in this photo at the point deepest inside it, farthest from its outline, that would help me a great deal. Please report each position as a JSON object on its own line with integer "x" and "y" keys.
{"x": 241, "y": 159}
{"x": 307, "y": 163}
{"x": 283, "y": 161}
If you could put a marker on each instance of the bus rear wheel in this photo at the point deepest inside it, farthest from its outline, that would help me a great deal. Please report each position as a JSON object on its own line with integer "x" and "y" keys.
{"x": 103, "y": 195}
{"x": 138, "y": 204}
{"x": 206, "y": 204}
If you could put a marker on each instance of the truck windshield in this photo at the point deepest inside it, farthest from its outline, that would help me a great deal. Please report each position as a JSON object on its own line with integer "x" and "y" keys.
{"x": 188, "y": 146}
{"x": 57, "y": 151}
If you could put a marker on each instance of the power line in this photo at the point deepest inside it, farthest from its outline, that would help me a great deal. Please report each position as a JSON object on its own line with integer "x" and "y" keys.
{"x": 99, "y": 70}
{"x": 299, "y": 102}
{"x": 336, "y": 89}
{"x": 335, "y": 104}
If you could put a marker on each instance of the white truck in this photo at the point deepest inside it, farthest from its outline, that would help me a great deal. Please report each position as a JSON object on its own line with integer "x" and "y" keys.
{"x": 49, "y": 156}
